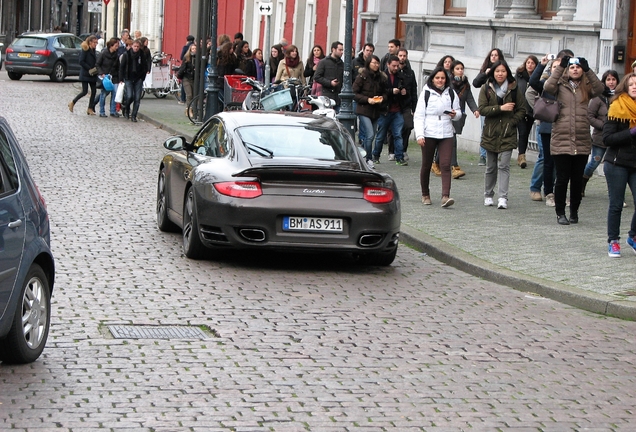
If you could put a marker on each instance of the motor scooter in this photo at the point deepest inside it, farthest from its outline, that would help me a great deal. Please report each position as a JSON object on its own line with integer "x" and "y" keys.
{"x": 324, "y": 105}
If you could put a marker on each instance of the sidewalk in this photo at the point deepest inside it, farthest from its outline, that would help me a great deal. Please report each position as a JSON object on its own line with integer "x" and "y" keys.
{"x": 522, "y": 247}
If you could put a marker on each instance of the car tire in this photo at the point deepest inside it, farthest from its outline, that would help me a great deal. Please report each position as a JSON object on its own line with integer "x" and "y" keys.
{"x": 163, "y": 222}
{"x": 27, "y": 337}
{"x": 193, "y": 248}
{"x": 382, "y": 259}
{"x": 59, "y": 72}
{"x": 14, "y": 76}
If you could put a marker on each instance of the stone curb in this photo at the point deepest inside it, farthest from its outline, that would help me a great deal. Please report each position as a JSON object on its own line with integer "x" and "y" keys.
{"x": 461, "y": 260}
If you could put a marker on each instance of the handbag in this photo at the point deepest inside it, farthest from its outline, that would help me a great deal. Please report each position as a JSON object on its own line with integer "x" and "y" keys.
{"x": 546, "y": 108}
{"x": 107, "y": 83}
{"x": 92, "y": 71}
{"x": 119, "y": 96}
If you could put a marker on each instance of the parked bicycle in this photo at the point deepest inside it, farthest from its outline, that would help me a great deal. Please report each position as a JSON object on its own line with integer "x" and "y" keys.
{"x": 162, "y": 79}
{"x": 233, "y": 95}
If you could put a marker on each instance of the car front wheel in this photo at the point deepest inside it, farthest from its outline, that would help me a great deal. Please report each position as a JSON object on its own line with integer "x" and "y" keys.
{"x": 25, "y": 341}
{"x": 193, "y": 248}
{"x": 59, "y": 72}
{"x": 14, "y": 76}
{"x": 164, "y": 224}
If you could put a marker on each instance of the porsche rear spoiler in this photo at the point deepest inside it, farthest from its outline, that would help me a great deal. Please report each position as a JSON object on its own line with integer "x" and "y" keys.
{"x": 311, "y": 173}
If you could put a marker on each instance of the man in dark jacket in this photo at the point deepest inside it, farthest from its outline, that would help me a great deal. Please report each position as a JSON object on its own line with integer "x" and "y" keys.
{"x": 132, "y": 71}
{"x": 394, "y": 47}
{"x": 408, "y": 104}
{"x": 393, "y": 121}
{"x": 330, "y": 72}
{"x": 360, "y": 60}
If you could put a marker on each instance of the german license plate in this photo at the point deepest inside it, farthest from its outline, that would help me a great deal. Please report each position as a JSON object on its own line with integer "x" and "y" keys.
{"x": 24, "y": 55}
{"x": 294, "y": 223}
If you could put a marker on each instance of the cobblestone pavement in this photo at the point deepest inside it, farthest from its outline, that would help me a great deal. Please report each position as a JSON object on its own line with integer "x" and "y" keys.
{"x": 293, "y": 342}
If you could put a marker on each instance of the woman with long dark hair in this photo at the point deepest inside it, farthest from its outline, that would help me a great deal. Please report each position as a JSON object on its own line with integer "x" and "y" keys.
{"x": 573, "y": 83}
{"x": 597, "y": 115}
{"x": 525, "y": 125}
{"x": 255, "y": 68}
{"x": 502, "y": 104}
{"x": 437, "y": 108}
{"x": 317, "y": 54}
{"x": 277, "y": 53}
{"x": 370, "y": 91}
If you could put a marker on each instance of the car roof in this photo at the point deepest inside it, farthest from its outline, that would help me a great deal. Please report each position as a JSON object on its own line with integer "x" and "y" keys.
{"x": 44, "y": 35}
{"x": 284, "y": 118}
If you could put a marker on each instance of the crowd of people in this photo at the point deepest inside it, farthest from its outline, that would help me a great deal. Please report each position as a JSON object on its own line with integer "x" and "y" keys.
{"x": 388, "y": 109}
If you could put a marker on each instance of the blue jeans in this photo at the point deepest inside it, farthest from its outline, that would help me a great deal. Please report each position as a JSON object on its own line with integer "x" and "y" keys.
{"x": 393, "y": 121}
{"x": 361, "y": 133}
{"x": 597, "y": 157}
{"x": 133, "y": 91}
{"x": 102, "y": 100}
{"x": 548, "y": 164}
{"x": 368, "y": 128}
{"x": 618, "y": 177}
{"x": 537, "y": 173}
{"x": 482, "y": 151}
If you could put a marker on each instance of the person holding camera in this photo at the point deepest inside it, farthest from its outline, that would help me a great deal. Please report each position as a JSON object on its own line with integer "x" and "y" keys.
{"x": 573, "y": 84}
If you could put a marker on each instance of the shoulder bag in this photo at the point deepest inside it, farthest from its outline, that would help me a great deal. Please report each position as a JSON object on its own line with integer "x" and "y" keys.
{"x": 546, "y": 108}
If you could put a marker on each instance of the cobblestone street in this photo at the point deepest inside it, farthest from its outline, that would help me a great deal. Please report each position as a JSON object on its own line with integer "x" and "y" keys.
{"x": 292, "y": 342}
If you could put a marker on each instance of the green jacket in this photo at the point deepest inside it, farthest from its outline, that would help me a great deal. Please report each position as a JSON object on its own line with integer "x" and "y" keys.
{"x": 500, "y": 127}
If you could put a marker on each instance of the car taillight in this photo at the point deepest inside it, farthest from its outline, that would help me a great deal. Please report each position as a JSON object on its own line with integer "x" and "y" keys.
{"x": 378, "y": 195}
{"x": 9, "y": 50}
{"x": 44, "y": 53}
{"x": 239, "y": 189}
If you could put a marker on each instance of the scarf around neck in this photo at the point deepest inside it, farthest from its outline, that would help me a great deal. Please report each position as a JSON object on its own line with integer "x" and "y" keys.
{"x": 292, "y": 62}
{"x": 623, "y": 108}
{"x": 501, "y": 89}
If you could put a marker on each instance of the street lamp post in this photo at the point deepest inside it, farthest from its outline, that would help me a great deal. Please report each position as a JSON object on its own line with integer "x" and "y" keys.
{"x": 346, "y": 115}
{"x": 212, "y": 91}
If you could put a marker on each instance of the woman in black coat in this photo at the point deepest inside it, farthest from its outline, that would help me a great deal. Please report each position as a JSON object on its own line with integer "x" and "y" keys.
{"x": 87, "y": 61}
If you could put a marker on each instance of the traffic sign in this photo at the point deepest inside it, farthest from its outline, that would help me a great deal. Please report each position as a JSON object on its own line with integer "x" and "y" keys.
{"x": 106, "y": 2}
{"x": 265, "y": 8}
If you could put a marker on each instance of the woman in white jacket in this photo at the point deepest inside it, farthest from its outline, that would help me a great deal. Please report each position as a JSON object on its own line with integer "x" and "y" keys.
{"x": 437, "y": 108}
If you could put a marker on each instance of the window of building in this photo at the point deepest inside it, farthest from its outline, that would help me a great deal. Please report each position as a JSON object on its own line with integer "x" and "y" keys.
{"x": 455, "y": 7}
{"x": 548, "y": 8}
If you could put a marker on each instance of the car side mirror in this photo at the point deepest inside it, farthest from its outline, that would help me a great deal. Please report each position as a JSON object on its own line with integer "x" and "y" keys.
{"x": 175, "y": 143}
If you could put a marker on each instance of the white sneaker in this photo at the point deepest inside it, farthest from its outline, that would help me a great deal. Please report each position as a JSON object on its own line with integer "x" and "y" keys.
{"x": 370, "y": 164}
{"x": 549, "y": 200}
{"x": 488, "y": 202}
{"x": 406, "y": 156}
{"x": 502, "y": 203}
{"x": 391, "y": 157}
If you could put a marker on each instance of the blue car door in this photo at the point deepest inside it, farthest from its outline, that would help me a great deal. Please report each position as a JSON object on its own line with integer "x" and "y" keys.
{"x": 12, "y": 222}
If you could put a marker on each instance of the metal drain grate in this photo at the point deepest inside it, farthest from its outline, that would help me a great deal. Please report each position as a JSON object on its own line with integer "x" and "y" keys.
{"x": 156, "y": 332}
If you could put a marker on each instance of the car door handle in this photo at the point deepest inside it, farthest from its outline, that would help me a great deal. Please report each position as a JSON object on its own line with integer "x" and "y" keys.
{"x": 15, "y": 224}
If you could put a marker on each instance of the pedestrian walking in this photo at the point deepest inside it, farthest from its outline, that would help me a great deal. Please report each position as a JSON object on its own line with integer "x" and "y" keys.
{"x": 329, "y": 73}
{"x": 186, "y": 73}
{"x": 437, "y": 108}
{"x": 370, "y": 91}
{"x": 503, "y": 106}
{"x": 525, "y": 125}
{"x": 108, "y": 64}
{"x": 597, "y": 116}
{"x": 619, "y": 162}
{"x": 573, "y": 83}
{"x": 132, "y": 71}
{"x": 88, "y": 74}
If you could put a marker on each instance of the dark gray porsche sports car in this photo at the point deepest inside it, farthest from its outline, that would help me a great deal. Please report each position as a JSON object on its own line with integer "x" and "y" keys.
{"x": 278, "y": 181}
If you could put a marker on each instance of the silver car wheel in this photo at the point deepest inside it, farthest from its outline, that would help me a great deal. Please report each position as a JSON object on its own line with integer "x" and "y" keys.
{"x": 34, "y": 313}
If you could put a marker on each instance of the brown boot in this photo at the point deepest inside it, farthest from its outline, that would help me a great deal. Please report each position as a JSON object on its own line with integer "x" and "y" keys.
{"x": 436, "y": 170}
{"x": 71, "y": 104}
{"x": 457, "y": 172}
{"x": 90, "y": 112}
{"x": 521, "y": 161}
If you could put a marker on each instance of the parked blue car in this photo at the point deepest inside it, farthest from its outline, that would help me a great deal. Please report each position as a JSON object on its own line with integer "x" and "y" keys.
{"x": 27, "y": 268}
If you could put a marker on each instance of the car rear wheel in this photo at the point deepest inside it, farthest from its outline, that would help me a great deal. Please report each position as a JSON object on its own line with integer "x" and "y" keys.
{"x": 14, "y": 76}
{"x": 59, "y": 72}
{"x": 164, "y": 224}
{"x": 192, "y": 246}
{"x": 25, "y": 341}
{"x": 381, "y": 258}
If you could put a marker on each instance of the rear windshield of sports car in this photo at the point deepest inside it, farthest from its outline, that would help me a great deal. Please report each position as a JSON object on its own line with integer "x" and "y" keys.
{"x": 303, "y": 141}
{"x": 29, "y": 42}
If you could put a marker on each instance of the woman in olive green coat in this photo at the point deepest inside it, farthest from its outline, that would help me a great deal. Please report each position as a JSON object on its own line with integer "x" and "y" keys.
{"x": 502, "y": 104}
